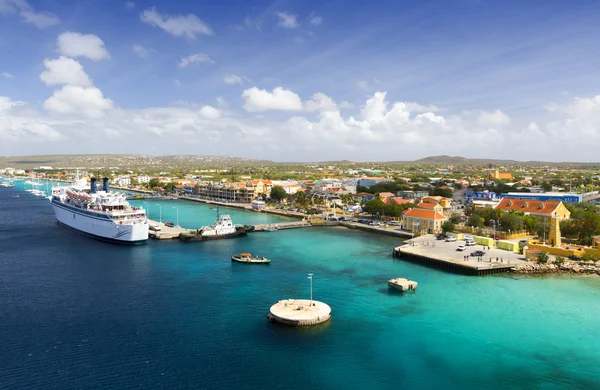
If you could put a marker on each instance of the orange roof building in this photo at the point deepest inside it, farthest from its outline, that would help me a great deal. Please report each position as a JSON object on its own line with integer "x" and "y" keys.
{"x": 543, "y": 210}
{"x": 422, "y": 221}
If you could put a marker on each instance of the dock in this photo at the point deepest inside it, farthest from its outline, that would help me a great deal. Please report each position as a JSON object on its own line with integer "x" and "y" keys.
{"x": 403, "y": 284}
{"x": 428, "y": 251}
{"x": 165, "y": 232}
{"x": 281, "y": 226}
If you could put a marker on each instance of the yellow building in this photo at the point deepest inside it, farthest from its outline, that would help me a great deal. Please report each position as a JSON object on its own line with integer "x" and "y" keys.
{"x": 422, "y": 221}
{"x": 542, "y": 210}
{"x": 446, "y": 203}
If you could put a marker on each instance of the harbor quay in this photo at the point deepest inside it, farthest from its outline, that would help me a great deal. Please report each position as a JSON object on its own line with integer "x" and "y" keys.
{"x": 426, "y": 250}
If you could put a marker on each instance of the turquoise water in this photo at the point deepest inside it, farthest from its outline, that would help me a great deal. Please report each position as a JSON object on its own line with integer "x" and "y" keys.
{"x": 77, "y": 313}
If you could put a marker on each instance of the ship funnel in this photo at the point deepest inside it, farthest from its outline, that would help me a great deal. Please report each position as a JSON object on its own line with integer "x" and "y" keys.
{"x": 93, "y": 185}
{"x": 105, "y": 185}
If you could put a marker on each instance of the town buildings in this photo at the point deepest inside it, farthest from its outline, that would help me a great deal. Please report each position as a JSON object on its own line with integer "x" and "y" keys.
{"x": 543, "y": 210}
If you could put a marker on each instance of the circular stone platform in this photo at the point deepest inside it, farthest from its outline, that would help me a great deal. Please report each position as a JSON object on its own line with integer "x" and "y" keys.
{"x": 298, "y": 312}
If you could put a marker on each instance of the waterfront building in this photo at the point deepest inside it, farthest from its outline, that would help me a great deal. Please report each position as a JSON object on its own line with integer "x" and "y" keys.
{"x": 542, "y": 210}
{"x": 421, "y": 220}
{"x": 236, "y": 192}
{"x": 546, "y": 196}
{"x": 258, "y": 204}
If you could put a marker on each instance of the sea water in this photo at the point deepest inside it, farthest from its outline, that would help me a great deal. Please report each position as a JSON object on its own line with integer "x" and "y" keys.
{"x": 78, "y": 313}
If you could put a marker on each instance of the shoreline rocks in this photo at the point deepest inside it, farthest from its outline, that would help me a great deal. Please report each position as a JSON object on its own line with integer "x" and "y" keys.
{"x": 572, "y": 267}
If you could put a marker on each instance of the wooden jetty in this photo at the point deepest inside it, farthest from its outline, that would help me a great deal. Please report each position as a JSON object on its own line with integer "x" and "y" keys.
{"x": 403, "y": 284}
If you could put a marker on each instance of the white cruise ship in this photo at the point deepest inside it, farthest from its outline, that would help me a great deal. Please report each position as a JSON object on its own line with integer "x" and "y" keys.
{"x": 100, "y": 214}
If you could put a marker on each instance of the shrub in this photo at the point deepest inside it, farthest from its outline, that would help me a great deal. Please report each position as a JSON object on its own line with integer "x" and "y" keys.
{"x": 559, "y": 260}
{"x": 543, "y": 257}
{"x": 587, "y": 257}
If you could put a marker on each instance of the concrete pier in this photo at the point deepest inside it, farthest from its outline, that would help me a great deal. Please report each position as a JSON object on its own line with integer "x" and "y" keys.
{"x": 165, "y": 232}
{"x": 281, "y": 226}
{"x": 428, "y": 251}
{"x": 403, "y": 284}
{"x": 298, "y": 312}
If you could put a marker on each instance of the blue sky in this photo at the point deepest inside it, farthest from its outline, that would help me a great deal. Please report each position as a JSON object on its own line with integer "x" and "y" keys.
{"x": 482, "y": 71}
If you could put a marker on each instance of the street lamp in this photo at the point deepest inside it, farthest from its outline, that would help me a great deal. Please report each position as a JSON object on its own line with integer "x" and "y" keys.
{"x": 147, "y": 210}
{"x": 160, "y": 212}
{"x": 176, "y": 209}
{"x": 310, "y": 278}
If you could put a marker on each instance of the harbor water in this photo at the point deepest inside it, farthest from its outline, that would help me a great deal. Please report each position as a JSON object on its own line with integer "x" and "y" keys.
{"x": 78, "y": 313}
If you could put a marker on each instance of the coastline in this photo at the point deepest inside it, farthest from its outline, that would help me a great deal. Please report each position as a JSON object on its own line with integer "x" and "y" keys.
{"x": 568, "y": 267}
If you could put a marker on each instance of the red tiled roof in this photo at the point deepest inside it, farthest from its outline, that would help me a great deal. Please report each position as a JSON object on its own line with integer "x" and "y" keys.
{"x": 386, "y": 194}
{"x": 425, "y": 205}
{"x": 528, "y": 205}
{"x": 397, "y": 200}
{"x": 425, "y": 214}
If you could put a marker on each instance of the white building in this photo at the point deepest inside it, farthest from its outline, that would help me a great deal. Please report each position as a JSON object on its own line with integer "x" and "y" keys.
{"x": 123, "y": 181}
{"x": 143, "y": 179}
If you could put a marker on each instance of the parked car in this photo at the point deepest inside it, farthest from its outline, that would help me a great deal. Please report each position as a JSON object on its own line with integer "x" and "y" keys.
{"x": 440, "y": 237}
{"x": 470, "y": 243}
{"x": 169, "y": 224}
{"x": 156, "y": 228}
{"x": 523, "y": 242}
{"x": 342, "y": 218}
{"x": 395, "y": 223}
{"x": 478, "y": 253}
{"x": 451, "y": 239}
{"x": 461, "y": 247}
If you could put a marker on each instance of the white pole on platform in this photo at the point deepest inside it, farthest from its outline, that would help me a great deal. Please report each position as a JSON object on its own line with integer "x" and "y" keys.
{"x": 310, "y": 277}
{"x": 176, "y": 209}
{"x": 160, "y": 212}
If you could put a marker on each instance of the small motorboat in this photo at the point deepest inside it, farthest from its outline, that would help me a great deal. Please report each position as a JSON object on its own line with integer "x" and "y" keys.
{"x": 248, "y": 258}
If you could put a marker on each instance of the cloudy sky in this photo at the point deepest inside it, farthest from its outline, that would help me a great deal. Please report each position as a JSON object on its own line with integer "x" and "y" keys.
{"x": 301, "y": 80}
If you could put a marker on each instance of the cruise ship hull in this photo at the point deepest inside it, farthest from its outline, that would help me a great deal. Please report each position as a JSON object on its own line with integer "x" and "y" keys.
{"x": 99, "y": 226}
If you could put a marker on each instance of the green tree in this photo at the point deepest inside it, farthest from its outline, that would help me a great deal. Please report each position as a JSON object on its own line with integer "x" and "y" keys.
{"x": 530, "y": 223}
{"x": 448, "y": 226}
{"x": 154, "y": 183}
{"x": 278, "y": 193}
{"x": 445, "y": 192}
{"x": 169, "y": 187}
{"x": 511, "y": 222}
{"x": 547, "y": 186}
{"x": 475, "y": 221}
{"x": 559, "y": 260}
{"x": 374, "y": 207}
{"x": 543, "y": 257}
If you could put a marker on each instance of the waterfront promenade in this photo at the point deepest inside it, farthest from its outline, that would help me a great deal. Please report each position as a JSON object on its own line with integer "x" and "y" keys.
{"x": 427, "y": 250}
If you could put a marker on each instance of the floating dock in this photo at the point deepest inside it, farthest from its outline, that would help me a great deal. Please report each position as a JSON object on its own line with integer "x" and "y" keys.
{"x": 299, "y": 312}
{"x": 403, "y": 284}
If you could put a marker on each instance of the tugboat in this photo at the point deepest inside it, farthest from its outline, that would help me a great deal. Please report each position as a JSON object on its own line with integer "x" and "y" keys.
{"x": 222, "y": 228}
{"x": 247, "y": 258}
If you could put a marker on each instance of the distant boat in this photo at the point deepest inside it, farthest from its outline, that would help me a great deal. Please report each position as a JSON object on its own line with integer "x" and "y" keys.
{"x": 249, "y": 259}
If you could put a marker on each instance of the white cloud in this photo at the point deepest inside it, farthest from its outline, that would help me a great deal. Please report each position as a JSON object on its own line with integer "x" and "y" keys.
{"x": 129, "y": 5}
{"x": 287, "y": 20}
{"x": 178, "y": 25}
{"x": 320, "y": 102}
{"x": 73, "y": 44}
{"x": 364, "y": 85}
{"x": 493, "y": 119}
{"x": 73, "y": 99}
{"x": 209, "y": 112}
{"x": 416, "y": 107}
{"x": 141, "y": 51}
{"x": 233, "y": 79}
{"x": 64, "y": 70}
{"x": 263, "y": 100}
{"x": 8, "y": 75}
{"x": 40, "y": 20}
{"x": 315, "y": 20}
{"x": 23, "y": 126}
{"x": 198, "y": 58}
